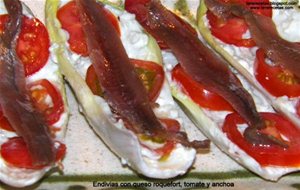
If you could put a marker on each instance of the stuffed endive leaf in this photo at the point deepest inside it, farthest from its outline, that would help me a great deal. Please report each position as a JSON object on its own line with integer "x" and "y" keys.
{"x": 138, "y": 151}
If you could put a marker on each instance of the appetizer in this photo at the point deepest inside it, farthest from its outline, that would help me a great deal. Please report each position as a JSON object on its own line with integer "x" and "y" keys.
{"x": 222, "y": 104}
{"x": 260, "y": 46}
{"x": 33, "y": 110}
{"x": 115, "y": 71}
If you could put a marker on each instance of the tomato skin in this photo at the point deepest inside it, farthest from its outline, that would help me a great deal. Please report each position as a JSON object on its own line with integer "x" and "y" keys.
{"x": 232, "y": 30}
{"x": 32, "y": 44}
{"x": 171, "y": 125}
{"x": 3, "y": 20}
{"x": 15, "y": 153}
{"x": 138, "y": 7}
{"x": 198, "y": 92}
{"x": 267, "y": 155}
{"x": 276, "y": 80}
{"x": 166, "y": 149}
{"x": 157, "y": 82}
{"x": 151, "y": 74}
{"x": 4, "y": 124}
{"x": 69, "y": 17}
{"x": 51, "y": 113}
{"x": 93, "y": 82}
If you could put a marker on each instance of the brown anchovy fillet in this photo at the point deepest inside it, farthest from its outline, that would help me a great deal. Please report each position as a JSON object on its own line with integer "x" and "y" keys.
{"x": 202, "y": 64}
{"x": 14, "y": 98}
{"x": 264, "y": 33}
{"x": 123, "y": 89}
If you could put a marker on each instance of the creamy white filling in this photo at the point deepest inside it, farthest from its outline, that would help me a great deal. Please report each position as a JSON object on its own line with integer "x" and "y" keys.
{"x": 287, "y": 23}
{"x": 5, "y": 135}
{"x": 19, "y": 177}
{"x": 180, "y": 154}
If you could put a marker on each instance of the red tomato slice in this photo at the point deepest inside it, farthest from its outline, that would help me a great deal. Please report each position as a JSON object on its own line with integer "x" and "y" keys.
{"x": 4, "y": 124}
{"x": 268, "y": 155}
{"x": 151, "y": 74}
{"x": 232, "y": 30}
{"x": 166, "y": 149}
{"x": 275, "y": 79}
{"x": 69, "y": 18}
{"x": 198, "y": 92}
{"x": 40, "y": 91}
{"x": 32, "y": 45}
{"x": 141, "y": 14}
{"x": 93, "y": 82}
{"x": 15, "y": 153}
{"x": 171, "y": 125}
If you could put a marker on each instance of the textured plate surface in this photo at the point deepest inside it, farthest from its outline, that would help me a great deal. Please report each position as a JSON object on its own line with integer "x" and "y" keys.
{"x": 90, "y": 165}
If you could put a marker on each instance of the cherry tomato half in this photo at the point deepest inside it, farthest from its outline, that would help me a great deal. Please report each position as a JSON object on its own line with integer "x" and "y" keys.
{"x": 268, "y": 155}
{"x": 151, "y": 74}
{"x": 41, "y": 91}
{"x": 32, "y": 45}
{"x": 275, "y": 79}
{"x": 232, "y": 31}
{"x": 198, "y": 92}
{"x": 15, "y": 153}
{"x": 69, "y": 18}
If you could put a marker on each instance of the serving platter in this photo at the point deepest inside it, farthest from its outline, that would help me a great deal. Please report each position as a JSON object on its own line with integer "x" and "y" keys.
{"x": 89, "y": 164}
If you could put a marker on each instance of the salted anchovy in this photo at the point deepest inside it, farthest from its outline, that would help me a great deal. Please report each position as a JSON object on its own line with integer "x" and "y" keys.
{"x": 264, "y": 33}
{"x": 14, "y": 97}
{"x": 122, "y": 87}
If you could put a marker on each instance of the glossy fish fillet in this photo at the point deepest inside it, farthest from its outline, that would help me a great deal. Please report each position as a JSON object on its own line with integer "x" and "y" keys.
{"x": 14, "y": 97}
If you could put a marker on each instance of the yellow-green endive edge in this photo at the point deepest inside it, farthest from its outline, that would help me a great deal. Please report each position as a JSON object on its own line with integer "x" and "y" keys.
{"x": 121, "y": 141}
